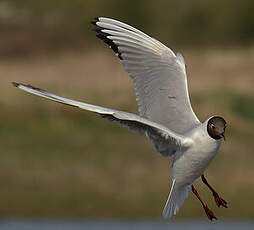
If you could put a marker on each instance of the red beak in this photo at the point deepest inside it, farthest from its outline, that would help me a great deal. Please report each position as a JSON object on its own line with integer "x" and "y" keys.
{"x": 222, "y": 135}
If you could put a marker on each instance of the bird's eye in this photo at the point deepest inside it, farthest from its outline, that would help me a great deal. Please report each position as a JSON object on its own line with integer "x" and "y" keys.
{"x": 212, "y": 126}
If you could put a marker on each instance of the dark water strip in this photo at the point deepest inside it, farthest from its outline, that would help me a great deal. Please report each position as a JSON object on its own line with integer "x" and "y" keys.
{"x": 123, "y": 225}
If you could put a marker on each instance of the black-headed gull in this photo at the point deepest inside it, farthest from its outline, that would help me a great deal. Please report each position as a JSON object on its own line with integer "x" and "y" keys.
{"x": 165, "y": 113}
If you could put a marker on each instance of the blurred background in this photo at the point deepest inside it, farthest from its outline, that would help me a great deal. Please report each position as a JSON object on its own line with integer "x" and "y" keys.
{"x": 59, "y": 162}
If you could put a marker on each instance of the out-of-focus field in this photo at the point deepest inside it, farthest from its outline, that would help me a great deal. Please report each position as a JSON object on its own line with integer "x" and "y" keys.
{"x": 60, "y": 161}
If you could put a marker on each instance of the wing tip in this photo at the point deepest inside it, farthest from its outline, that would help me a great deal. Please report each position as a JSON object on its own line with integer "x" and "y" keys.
{"x": 22, "y": 86}
{"x": 104, "y": 37}
{"x": 95, "y": 20}
{"x": 15, "y": 84}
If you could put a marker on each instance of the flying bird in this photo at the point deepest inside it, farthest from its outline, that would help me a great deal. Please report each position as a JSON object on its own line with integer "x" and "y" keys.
{"x": 166, "y": 116}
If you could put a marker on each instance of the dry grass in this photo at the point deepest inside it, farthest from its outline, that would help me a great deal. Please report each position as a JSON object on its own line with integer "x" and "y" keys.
{"x": 58, "y": 161}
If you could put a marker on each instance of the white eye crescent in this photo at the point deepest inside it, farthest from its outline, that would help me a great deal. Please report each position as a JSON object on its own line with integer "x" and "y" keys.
{"x": 212, "y": 125}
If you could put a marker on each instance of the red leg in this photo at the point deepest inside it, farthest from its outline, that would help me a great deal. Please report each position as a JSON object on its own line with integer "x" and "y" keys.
{"x": 208, "y": 212}
{"x": 219, "y": 201}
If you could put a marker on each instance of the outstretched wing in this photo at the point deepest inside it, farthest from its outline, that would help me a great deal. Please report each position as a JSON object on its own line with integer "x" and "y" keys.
{"x": 158, "y": 74}
{"x": 133, "y": 121}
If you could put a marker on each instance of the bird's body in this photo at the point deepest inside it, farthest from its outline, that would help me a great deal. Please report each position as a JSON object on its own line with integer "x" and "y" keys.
{"x": 188, "y": 165}
{"x": 195, "y": 159}
{"x": 165, "y": 113}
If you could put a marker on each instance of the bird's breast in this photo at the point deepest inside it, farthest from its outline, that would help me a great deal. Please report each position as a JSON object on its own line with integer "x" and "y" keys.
{"x": 191, "y": 164}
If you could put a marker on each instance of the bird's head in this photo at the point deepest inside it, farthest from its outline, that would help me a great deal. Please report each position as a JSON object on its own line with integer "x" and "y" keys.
{"x": 216, "y": 127}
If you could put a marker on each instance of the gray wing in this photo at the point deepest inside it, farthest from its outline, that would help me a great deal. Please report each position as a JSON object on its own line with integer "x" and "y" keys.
{"x": 132, "y": 121}
{"x": 158, "y": 74}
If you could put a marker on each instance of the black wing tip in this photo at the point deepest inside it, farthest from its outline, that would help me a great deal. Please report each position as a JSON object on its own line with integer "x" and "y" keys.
{"x": 27, "y": 85}
{"x": 97, "y": 30}
{"x": 35, "y": 88}
{"x": 95, "y": 20}
{"x": 104, "y": 37}
{"x": 15, "y": 84}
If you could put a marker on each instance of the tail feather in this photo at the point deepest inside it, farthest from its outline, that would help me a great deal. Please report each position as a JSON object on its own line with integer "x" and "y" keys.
{"x": 175, "y": 200}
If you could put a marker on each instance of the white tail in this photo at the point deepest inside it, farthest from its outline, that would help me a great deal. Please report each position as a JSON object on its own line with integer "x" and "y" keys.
{"x": 175, "y": 200}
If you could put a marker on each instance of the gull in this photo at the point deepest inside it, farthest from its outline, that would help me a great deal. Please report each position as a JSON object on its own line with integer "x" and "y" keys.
{"x": 165, "y": 117}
